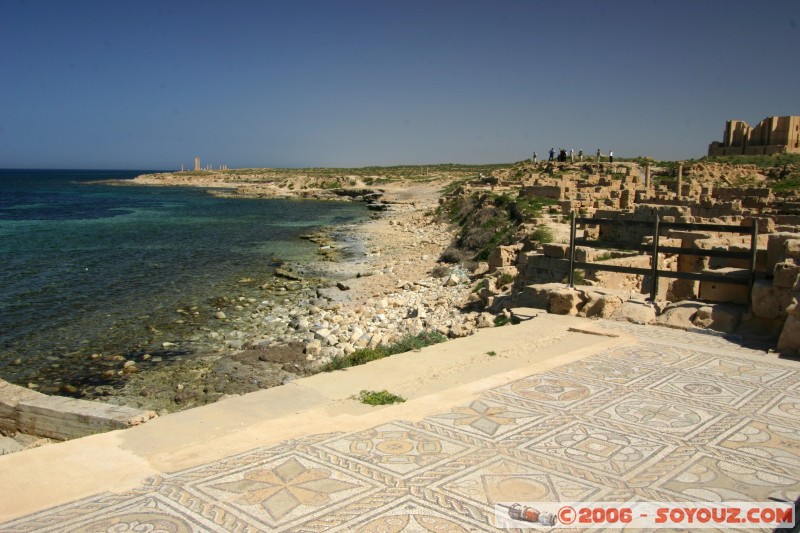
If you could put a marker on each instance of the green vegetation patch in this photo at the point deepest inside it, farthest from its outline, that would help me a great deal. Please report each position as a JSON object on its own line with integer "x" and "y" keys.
{"x": 488, "y": 220}
{"x": 501, "y": 320}
{"x": 527, "y": 207}
{"x": 196, "y": 173}
{"x": 543, "y": 234}
{"x": 365, "y": 355}
{"x": 384, "y": 397}
{"x": 505, "y": 279}
{"x": 578, "y": 278}
{"x": 760, "y": 161}
{"x": 790, "y": 184}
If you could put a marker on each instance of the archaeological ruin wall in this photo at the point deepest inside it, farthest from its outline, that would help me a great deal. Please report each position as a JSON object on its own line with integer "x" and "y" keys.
{"x": 773, "y": 135}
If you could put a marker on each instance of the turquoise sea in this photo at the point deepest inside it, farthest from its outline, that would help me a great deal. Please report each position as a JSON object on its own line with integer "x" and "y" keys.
{"x": 97, "y": 268}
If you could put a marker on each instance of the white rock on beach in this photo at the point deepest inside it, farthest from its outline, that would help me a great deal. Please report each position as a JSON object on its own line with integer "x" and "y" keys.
{"x": 313, "y": 348}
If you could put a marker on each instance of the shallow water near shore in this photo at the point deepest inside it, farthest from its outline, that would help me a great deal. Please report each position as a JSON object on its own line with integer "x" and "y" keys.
{"x": 102, "y": 269}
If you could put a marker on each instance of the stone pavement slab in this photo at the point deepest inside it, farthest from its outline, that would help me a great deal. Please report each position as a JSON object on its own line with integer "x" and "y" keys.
{"x": 655, "y": 415}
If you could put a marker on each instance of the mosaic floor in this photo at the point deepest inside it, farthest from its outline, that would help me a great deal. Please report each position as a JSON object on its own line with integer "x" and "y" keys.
{"x": 677, "y": 417}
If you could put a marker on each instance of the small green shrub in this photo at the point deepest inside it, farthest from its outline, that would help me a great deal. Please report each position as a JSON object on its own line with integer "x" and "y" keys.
{"x": 440, "y": 271}
{"x": 491, "y": 353}
{"x": 453, "y": 256}
{"x": 480, "y": 285}
{"x": 383, "y": 397}
{"x": 578, "y": 278}
{"x": 416, "y": 342}
{"x": 365, "y": 355}
{"x": 505, "y": 279}
{"x": 543, "y": 234}
{"x": 501, "y": 320}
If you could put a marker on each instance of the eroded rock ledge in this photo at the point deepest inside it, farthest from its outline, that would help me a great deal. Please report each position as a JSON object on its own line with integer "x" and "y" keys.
{"x": 32, "y": 414}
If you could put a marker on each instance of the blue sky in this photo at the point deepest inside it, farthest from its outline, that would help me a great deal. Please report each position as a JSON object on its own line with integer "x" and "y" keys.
{"x": 151, "y": 84}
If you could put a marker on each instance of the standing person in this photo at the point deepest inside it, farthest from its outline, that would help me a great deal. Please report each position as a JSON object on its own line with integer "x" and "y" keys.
{"x": 552, "y": 154}
{"x": 534, "y": 157}
{"x": 610, "y": 156}
{"x": 580, "y": 156}
{"x": 571, "y": 155}
{"x": 598, "y": 155}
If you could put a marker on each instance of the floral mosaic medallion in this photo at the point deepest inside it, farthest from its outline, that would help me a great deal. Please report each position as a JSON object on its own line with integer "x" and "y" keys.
{"x": 488, "y": 418}
{"x": 599, "y": 448}
{"x": 282, "y": 488}
{"x": 656, "y": 415}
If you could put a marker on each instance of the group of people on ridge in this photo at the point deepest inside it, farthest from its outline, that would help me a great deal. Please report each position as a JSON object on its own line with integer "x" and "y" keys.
{"x": 562, "y": 156}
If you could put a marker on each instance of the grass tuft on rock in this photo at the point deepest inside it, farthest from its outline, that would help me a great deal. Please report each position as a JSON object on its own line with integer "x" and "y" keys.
{"x": 384, "y": 397}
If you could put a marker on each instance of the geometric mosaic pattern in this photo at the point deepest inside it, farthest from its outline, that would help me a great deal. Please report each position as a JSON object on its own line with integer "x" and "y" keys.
{"x": 676, "y": 416}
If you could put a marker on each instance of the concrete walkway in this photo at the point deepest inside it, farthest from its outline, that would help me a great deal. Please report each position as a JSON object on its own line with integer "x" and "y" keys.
{"x": 558, "y": 413}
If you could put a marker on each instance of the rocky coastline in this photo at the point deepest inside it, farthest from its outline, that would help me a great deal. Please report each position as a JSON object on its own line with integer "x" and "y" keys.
{"x": 374, "y": 284}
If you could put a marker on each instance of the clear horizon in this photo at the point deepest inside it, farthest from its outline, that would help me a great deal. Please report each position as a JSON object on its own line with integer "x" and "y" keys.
{"x": 151, "y": 85}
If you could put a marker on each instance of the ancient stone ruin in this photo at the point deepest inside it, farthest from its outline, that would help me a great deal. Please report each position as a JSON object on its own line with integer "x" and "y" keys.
{"x": 723, "y": 201}
{"x": 773, "y": 135}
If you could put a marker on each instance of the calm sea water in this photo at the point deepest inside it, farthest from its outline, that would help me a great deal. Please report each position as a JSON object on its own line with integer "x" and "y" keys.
{"x": 93, "y": 268}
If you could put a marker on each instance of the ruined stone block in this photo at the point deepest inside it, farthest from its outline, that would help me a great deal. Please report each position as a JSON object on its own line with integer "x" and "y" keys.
{"x": 666, "y": 241}
{"x": 636, "y": 311}
{"x": 713, "y": 291}
{"x": 584, "y": 254}
{"x": 507, "y": 270}
{"x": 786, "y": 275}
{"x": 536, "y": 295}
{"x": 503, "y": 256}
{"x": 62, "y": 418}
{"x": 555, "y": 192}
{"x": 715, "y": 244}
{"x": 724, "y": 318}
{"x": 776, "y": 248}
{"x": 765, "y": 225}
{"x": 601, "y": 305}
{"x": 10, "y": 396}
{"x": 481, "y": 268}
{"x": 682, "y": 289}
{"x": 545, "y": 269}
{"x": 769, "y": 301}
{"x": 789, "y": 340}
{"x": 679, "y": 315}
{"x": 556, "y": 251}
{"x": 791, "y": 249}
{"x": 736, "y": 263}
{"x": 564, "y": 302}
